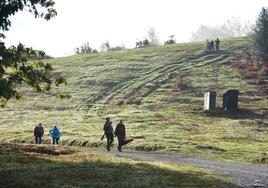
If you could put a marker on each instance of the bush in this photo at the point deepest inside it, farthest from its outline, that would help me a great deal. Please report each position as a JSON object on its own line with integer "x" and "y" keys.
{"x": 171, "y": 40}
{"x": 85, "y": 49}
{"x": 179, "y": 84}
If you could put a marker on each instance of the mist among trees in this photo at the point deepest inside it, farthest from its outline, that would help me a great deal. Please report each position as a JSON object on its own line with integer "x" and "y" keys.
{"x": 107, "y": 47}
{"x": 233, "y": 27}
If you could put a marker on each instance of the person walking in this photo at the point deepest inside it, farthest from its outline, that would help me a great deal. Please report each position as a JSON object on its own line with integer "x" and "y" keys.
{"x": 109, "y": 133}
{"x": 120, "y": 133}
{"x": 55, "y": 134}
{"x": 212, "y": 45}
{"x": 217, "y": 42}
{"x": 38, "y": 133}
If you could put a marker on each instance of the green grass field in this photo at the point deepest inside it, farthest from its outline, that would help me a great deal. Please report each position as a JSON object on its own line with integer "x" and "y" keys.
{"x": 29, "y": 166}
{"x": 158, "y": 91}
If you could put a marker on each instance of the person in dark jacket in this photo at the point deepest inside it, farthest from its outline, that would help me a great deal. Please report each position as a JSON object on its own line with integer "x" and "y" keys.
{"x": 108, "y": 132}
{"x": 38, "y": 133}
{"x": 55, "y": 134}
{"x": 217, "y": 42}
{"x": 120, "y": 133}
{"x": 212, "y": 45}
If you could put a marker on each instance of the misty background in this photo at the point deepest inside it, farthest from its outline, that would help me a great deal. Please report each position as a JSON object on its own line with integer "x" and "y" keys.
{"x": 124, "y": 22}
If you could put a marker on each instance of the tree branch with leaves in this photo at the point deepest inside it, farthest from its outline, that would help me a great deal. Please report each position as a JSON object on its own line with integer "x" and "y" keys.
{"x": 19, "y": 64}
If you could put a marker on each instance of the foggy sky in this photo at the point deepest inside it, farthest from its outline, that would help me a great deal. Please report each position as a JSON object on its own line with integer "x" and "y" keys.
{"x": 123, "y": 21}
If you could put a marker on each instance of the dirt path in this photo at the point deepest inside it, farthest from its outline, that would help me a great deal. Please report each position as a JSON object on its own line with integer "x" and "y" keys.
{"x": 245, "y": 175}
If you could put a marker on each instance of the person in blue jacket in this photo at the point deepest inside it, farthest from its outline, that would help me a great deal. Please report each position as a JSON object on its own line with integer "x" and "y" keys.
{"x": 55, "y": 134}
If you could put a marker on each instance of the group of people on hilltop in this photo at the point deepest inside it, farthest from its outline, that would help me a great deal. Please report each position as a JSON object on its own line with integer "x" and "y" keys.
{"x": 39, "y": 133}
{"x": 211, "y": 45}
{"x": 120, "y": 133}
{"x": 109, "y": 133}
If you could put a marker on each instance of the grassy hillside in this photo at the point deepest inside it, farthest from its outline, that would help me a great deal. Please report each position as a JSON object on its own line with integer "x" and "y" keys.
{"x": 158, "y": 91}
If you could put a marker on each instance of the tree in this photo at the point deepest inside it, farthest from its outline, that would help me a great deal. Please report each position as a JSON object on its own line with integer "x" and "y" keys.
{"x": 153, "y": 37}
{"x": 206, "y": 32}
{"x": 146, "y": 43}
{"x": 171, "y": 40}
{"x": 40, "y": 8}
{"x": 139, "y": 44}
{"x": 105, "y": 46}
{"x": 260, "y": 36}
{"x": 18, "y": 64}
{"x": 85, "y": 49}
{"x": 233, "y": 27}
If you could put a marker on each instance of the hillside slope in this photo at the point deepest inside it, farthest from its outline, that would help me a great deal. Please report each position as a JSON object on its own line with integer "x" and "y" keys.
{"x": 158, "y": 91}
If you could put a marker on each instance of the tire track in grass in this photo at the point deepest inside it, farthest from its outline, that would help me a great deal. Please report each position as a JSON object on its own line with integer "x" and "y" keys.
{"x": 134, "y": 87}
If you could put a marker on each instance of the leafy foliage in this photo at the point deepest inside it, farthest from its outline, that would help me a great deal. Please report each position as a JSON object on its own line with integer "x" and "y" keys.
{"x": 152, "y": 39}
{"x": 40, "y": 8}
{"x": 19, "y": 64}
{"x": 143, "y": 44}
{"x": 85, "y": 49}
{"x": 171, "y": 40}
{"x": 260, "y": 36}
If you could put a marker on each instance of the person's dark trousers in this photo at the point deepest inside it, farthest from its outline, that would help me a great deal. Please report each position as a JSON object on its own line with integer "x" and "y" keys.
{"x": 55, "y": 140}
{"x": 121, "y": 142}
{"x": 38, "y": 139}
{"x": 110, "y": 139}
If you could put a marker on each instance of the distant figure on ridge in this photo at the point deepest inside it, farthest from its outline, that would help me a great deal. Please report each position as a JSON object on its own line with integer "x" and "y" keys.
{"x": 38, "y": 133}
{"x": 55, "y": 134}
{"x": 108, "y": 132}
{"x": 212, "y": 45}
{"x": 120, "y": 133}
{"x": 217, "y": 42}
